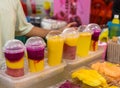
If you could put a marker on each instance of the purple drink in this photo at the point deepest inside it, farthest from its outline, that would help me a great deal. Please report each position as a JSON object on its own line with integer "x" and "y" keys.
{"x": 14, "y": 57}
{"x": 95, "y": 36}
{"x": 14, "y": 53}
{"x": 35, "y": 51}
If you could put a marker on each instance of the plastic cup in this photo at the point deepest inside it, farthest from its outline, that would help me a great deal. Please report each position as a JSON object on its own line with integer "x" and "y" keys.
{"x": 84, "y": 40}
{"x": 103, "y": 45}
{"x": 35, "y": 51}
{"x": 55, "y": 42}
{"x": 95, "y": 36}
{"x": 14, "y": 54}
{"x": 70, "y": 44}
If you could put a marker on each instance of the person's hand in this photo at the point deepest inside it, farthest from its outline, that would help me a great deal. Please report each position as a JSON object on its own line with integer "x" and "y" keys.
{"x": 69, "y": 25}
{"x": 72, "y": 24}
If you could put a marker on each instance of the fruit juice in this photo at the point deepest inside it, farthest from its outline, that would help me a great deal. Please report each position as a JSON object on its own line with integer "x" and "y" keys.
{"x": 35, "y": 58}
{"x": 83, "y": 44}
{"x": 55, "y": 50}
{"x": 69, "y": 50}
{"x": 15, "y": 63}
{"x": 94, "y": 42}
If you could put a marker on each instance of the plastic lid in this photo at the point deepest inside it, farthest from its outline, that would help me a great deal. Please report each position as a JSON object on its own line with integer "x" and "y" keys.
{"x": 70, "y": 32}
{"x": 54, "y": 33}
{"x": 14, "y": 46}
{"x": 85, "y": 29}
{"x": 116, "y": 16}
{"x": 34, "y": 42}
{"x": 93, "y": 27}
{"x": 81, "y": 28}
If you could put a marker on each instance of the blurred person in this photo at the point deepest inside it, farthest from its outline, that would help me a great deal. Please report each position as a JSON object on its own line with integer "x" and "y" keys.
{"x": 13, "y": 22}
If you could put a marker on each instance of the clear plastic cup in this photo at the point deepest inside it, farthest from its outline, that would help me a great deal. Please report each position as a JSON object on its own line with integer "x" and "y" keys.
{"x": 84, "y": 40}
{"x": 35, "y": 52}
{"x": 95, "y": 28}
{"x": 70, "y": 44}
{"x": 14, "y": 54}
{"x": 55, "y": 42}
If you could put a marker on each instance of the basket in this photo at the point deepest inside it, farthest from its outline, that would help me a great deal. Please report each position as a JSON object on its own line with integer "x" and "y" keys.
{"x": 113, "y": 52}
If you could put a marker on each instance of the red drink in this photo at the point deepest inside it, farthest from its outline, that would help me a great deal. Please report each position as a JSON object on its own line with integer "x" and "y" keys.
{"x": 14, "y": 53}
{"x": 69, "y": 52}
{"x": 35, "y": 51}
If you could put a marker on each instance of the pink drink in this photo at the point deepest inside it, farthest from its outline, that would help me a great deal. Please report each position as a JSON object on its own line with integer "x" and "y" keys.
{"x": 94, "y": 42}
{"x": 14, "y": 53}
{"x": 35, "y": 51}
{"x": 14, "y": 58}
{"x": 71, "y": 38}
{"x": 69, "y": 52}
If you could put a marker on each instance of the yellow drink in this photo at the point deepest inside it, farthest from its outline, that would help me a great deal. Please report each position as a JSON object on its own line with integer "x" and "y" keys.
{"x": 55, "y": 50}
{"x": 71, "y": 40}
{"x": 15, "y": 65}
{"x": 36, "y": 66}
{"x": 83, "y": 44}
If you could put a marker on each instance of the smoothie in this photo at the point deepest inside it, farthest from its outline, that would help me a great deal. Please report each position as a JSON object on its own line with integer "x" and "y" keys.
{"x": 69, "y": 49}
{"x": 83, "y": 45}
{"x": 14, "y": 54}
{"x": 94, "y": 42}
{"x": 36, "y": 59}
{"x": 35, "y": 51}
{"x": 55, "y": 50}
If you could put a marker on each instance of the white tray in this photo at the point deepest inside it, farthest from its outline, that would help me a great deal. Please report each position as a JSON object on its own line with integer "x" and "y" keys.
{"x": 29, "y": 79}
{"x": 93, "y": 56}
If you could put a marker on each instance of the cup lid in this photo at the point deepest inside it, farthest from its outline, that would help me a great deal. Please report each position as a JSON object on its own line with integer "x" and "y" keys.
{"x": 93, "y": 27}
{"x": 13, "y": 46}
{"x": 35, "y": 42}
{"x": 54, "y": 33}
{"x": 70, "y": 32}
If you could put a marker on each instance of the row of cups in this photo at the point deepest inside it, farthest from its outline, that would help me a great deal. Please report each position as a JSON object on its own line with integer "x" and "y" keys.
{"x": 64, "y": 45}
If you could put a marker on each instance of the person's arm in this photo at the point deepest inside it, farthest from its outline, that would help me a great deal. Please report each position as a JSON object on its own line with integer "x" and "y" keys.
{"x": 25, "y": 28}
{"x": 36, "y": 31}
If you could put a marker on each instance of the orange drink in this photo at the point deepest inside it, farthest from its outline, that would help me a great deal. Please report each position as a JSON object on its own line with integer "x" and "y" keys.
{"x": 83, "y": 45}
{"x": 55, "y": 49}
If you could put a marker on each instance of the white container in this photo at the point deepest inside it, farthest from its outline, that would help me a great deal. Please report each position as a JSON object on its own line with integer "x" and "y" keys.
{"x": 30, "y": 80}
{"x": 52, "y": 24}
{"x": 93, "y": 56}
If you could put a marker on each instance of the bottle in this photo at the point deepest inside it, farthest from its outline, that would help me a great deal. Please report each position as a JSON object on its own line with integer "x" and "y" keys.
{"x": 115, "y": 20}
